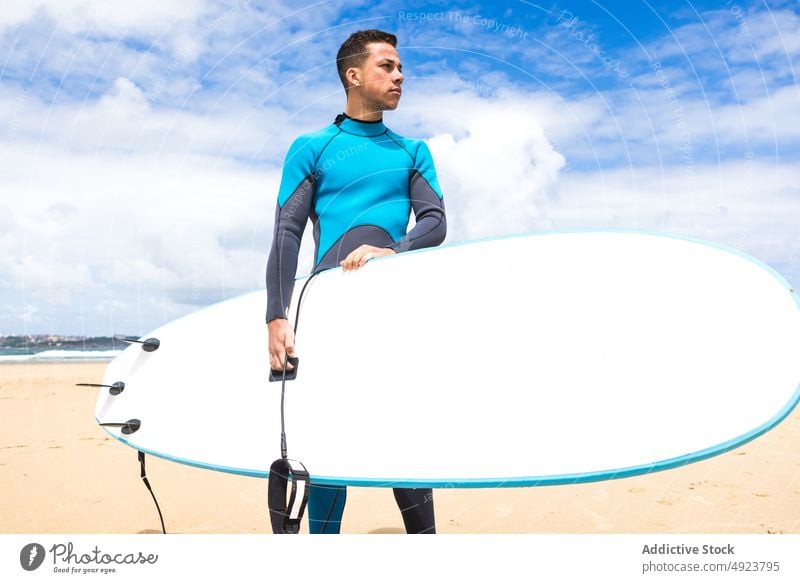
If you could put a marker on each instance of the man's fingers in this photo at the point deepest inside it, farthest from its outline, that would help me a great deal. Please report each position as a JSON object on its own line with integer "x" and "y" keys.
{"x": 276, "y": 363}
{"x": 356, "y": 260}
{"x": 281, "y": 343}
{"x": 290, "y": 352}
{"x": 276, "y": 360}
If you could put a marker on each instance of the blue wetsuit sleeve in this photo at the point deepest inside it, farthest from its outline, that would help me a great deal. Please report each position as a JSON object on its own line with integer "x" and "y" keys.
{"x": 295, "y": 199}
{"x": 428, "y": 204}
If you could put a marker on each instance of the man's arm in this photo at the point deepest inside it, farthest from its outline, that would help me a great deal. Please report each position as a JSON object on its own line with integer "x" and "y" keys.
{"x": 428, "y": 204}
{"x": 295, "y": 198}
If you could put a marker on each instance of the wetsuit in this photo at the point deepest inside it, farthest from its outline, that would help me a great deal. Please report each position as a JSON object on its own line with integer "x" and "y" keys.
{"x": 358, "y": 182}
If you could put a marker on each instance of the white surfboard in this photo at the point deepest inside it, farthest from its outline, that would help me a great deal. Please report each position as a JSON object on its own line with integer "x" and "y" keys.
{"x": 531, "y": 360}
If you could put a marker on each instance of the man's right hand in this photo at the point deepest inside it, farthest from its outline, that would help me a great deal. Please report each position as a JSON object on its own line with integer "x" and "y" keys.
{"x": 281, "y": 342}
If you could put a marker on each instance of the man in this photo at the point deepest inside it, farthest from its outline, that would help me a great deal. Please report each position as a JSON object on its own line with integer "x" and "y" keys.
{"x": 357, "y": 181}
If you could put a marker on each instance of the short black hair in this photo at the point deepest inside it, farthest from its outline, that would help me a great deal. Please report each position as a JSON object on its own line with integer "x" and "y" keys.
{"x": 353, "y": 51}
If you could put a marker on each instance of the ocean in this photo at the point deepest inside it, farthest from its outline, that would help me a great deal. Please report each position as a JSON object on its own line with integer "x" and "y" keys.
{"x": 22, "y": 355}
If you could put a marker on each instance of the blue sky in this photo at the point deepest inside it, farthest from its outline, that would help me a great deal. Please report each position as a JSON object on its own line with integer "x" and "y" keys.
{"x": 142, "y": 142}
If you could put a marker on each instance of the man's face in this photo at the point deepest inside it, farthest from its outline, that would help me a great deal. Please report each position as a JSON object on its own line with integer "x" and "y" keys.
{"x": 380, "y": 77}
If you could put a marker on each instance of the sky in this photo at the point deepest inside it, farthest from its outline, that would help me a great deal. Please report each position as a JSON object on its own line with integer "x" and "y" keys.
{"x": 141, "y": 143}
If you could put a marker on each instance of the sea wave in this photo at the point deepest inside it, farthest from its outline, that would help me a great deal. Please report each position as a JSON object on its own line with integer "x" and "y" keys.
{"x": 60, "y": 355}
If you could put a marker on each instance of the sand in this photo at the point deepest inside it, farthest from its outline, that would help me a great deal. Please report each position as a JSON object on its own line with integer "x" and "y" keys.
{"x": 60, "y": 473}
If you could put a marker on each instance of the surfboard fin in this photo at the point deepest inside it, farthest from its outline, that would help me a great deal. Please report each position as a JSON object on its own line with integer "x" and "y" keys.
{"x": 130, "y": 426}
{"x": 114, "y": 389}
{"x": 148, "y": 345}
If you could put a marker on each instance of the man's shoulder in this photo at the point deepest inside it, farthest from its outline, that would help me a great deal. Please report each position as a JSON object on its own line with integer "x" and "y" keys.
{"x": 320, "y": 135}
{"x": 412, "y": 145}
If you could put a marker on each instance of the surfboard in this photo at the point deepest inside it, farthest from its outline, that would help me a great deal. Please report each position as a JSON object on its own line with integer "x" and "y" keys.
{"x": 532, "y": 360}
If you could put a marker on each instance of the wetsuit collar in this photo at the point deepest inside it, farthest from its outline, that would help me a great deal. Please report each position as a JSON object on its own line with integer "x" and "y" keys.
{"x": 359, "y": 127}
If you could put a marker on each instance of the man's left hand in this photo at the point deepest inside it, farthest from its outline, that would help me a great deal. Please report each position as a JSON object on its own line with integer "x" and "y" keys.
{"x": 360, "y": 256}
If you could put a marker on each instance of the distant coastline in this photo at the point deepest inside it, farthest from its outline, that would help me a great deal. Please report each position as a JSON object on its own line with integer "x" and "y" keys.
{"x": 55, "y": 348}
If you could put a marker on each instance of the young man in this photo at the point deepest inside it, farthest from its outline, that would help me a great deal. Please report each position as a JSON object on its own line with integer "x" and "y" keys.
{"x": 357, "y": 181}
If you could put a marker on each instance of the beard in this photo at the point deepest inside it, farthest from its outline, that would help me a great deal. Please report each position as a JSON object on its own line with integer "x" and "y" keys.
{"x": 376, "y": 103}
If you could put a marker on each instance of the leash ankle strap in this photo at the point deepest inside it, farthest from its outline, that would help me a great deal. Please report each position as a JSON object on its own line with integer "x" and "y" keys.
{"x": 285, "y": 517}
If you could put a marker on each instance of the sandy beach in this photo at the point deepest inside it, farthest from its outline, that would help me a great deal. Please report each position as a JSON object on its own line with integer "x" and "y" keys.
{"x": 60, "y": 473}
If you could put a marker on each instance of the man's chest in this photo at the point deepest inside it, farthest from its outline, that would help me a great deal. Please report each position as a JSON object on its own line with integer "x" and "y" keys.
{"x": 375, "y": 167}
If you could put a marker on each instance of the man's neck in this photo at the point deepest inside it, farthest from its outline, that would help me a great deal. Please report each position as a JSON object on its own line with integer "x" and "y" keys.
{"x": 360, "y": 112}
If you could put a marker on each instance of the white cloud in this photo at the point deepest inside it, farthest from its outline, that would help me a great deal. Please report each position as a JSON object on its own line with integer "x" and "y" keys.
{"x": 139, "y": 177}
{"x": 162, "y": 229}
{"x": 136, "y": 228}
{"x": 497, "y": 177}
{"x": 752, "y": 206}
{"x": 107, "y": 17}
{"x": 165, "y": 225}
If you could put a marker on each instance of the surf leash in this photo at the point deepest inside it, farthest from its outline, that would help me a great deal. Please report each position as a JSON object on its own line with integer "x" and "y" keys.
{"x": 147, "y": 483}
{"x": 286, "y": 517}
{"x": 132, "y": 425}
{"x": 128, "y": 427}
